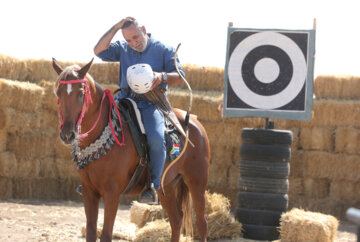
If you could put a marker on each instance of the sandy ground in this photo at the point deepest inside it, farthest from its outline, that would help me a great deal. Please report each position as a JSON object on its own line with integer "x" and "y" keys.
{"x": 62, "y": 221}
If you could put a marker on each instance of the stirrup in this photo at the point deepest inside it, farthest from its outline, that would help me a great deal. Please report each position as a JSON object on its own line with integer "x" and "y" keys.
{"x": 149, "y": 196}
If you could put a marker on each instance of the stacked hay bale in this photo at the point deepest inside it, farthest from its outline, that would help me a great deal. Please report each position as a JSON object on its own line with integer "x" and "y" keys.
{"x": 325, "y": 156}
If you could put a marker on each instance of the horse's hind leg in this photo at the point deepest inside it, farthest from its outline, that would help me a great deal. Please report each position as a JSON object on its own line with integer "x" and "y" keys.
{"x": 197, "y": 191}
{"x": 91, "y": 205}
{"x": 173, "y": 208}
{"x": 111, "y": 203}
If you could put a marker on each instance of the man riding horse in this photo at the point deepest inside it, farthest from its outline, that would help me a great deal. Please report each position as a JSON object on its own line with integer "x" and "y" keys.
{"x": 140, "y": 47}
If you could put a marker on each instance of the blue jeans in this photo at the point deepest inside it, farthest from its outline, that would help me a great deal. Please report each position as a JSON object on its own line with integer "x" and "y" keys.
{"x": 154, "y": 125}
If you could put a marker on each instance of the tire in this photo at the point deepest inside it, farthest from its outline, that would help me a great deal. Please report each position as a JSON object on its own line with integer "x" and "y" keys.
{"x": 264, "y": 169}
{"x": 265, "y": 152}
{"x": 265, "y": 185}
{"x": 260, "y": 232}
{"x": 258, "y": 217}
{"x": 263, "y": 201}
{"x": 266, "y": 136}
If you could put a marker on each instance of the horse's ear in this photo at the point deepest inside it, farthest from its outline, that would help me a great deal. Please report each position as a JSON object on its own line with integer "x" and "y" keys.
{"x": 82, "y": 72}
{"x": 57, "y": 66}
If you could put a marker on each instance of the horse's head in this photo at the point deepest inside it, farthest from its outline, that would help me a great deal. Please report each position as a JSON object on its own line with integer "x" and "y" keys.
{"x": 73, "y": 91}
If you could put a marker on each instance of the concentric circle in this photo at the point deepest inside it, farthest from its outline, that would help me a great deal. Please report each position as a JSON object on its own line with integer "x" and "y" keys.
{"x": 291, "y": 84}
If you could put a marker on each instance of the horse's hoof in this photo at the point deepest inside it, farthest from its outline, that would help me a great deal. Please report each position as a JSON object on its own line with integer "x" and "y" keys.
{"x": 78, "y": 190}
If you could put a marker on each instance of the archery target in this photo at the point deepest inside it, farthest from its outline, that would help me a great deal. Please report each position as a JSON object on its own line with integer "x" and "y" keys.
{"x": 267, "y": 70}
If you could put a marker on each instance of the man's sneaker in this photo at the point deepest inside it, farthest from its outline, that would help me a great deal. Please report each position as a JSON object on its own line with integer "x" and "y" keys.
{"x": 78, "y": 190}
{"x": 149, "y": 196}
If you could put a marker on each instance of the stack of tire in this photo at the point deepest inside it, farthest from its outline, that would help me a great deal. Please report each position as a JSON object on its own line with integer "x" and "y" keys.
{"x": 263, "y": 182}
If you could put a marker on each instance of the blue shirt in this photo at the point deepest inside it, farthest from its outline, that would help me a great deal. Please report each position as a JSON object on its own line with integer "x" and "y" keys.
{"x": 158, "y": 55}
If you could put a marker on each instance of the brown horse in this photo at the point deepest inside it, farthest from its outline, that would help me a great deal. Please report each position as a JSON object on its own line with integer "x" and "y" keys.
{"x": 83, "y": 103}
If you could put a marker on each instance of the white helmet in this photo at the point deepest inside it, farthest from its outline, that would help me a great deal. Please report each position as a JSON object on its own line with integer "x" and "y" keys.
{"x": 140, "y": 78}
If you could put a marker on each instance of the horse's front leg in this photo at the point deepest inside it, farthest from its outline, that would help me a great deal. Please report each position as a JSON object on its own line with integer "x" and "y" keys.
{"x": 91, "y": 204}
{"x": 111, "y": 203}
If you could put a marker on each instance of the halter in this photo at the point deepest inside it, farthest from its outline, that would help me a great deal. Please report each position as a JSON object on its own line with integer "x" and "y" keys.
{"x": 86, "y": 103}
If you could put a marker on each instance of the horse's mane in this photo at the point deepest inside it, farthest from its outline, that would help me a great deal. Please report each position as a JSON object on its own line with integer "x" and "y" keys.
{"x": 71, "y": 71}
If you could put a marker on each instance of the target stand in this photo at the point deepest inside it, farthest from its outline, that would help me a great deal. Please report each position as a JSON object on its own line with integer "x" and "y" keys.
{"x": 269, "y": 73}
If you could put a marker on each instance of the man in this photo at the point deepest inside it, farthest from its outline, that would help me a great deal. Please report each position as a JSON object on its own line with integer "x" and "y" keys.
{"x": 141, "y": 47}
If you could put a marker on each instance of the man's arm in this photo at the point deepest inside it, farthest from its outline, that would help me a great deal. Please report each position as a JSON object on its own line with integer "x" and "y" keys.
{"x": 105, "y": 40}
{"x": 173, "y": 78}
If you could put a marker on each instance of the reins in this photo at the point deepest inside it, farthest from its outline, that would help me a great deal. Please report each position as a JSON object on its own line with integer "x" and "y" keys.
{"x": 86, "y": 103}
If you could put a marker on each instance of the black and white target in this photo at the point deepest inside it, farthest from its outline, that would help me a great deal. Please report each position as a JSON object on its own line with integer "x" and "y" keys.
{"x": 269, "y": 74}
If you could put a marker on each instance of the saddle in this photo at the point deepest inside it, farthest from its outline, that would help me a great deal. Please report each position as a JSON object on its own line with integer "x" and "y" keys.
{"x": 133, "y": 119}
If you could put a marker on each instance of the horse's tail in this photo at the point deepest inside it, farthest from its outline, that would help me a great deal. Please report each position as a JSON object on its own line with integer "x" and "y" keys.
{"x": 184, "y": 197}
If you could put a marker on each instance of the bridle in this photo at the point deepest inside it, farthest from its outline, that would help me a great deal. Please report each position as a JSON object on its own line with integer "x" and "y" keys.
{"x": 86, "y": 103}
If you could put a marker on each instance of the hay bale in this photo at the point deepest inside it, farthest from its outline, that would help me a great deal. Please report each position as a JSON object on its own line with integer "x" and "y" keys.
{"x": 338, "y": 87}
{"x": 5, "y": 188}
{"x": 317, "y": 138}
{"x": 32, "y": 145}
{"x": 3, "y": 139}
{"x": 22, "y": 96}
{"x": 12, "y": 68}
{"x": 66, "y": 169}
{"x": 17, "y": 122}
{"x": 123, "y": 230}
{"x": 49, "y": 97}
{"x": 205, "y": 103}
{"x": 223, "y": 225}
{"x": 296, "y": 186}
{"x": 299, "y": 225}
{"x": 157, "y": 230}
{"x": 347, "y": 140}
{"x": 331, "y": 166}
{"x": 141, "y": 213}
{"x": 8, "y": 164}
{"x": 345, "y": 190}
{"x": 317, "y": 188}
{"x": 204, "y": 78}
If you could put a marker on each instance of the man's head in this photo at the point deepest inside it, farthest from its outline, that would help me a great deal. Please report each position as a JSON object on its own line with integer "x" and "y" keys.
{"x": 135, "y": 35}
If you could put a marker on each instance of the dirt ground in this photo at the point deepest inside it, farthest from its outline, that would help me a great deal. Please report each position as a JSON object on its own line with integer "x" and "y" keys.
{"x": 62, "y": 221}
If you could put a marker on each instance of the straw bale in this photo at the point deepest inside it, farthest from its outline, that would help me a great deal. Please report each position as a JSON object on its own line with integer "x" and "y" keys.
{"x": 337, "y": 87}
{"x": 141, "y": 213}
{"x": 49, "y": 97}
{"x": 123, "y": 230}
{"x": 67, "y": 188}
{"x": 334, "y": 206}
{"x": 317, "y": 138}
{"x": 66, "y": 168}
{"x": 318, "y": 188}
{"x": 20, "y": 122}
{"x": 3, "y": 118}
{"x": 222, "y": 224}
{"x": 3, "y": 139}
{"x": 62, "y": 150}
{"x": 12, "y": 68}
{"x": 8, "y": 164}
{"x": 23, "y": 96}
{"x": 335, "y": 112}
{"x": 157, "y": 231}
{"x": 224, "y": 155}
{"x": 48, "y": 168}
{"x": 347, "y": 190}
{"x": 5, "y": 188}
{"x": 41, "y": 188}
{"x": 28, "y": 168}
{"x": 347, "y": 140}
{"x": 296, "y": 186}
{"x": 205, "y": 104}
{"x": 204, "y": 78}
{"x": 216, "y": 202}
{"x": 49, "y": 122}
{"x": 332, "y": 166}
{"x": 105, "y": 73}
{"x": 299, "y": 225}
{"x": 223, "y": 133}
{"x": 217, "y": 176}
{"x": 31, "y": 145}
{"x": 297, "y": 163}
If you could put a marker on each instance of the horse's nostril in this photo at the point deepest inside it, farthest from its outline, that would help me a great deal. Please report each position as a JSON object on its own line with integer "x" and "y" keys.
{"x": 72, "y": 136}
